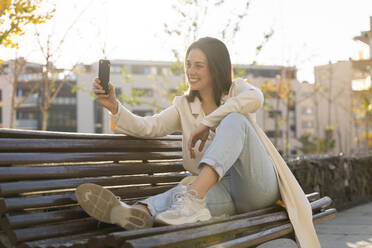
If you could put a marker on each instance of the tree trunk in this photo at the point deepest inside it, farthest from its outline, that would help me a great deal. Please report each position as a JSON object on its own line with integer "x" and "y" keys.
{"x": 45, "y": 119}
{"x": 317, "y": 125}
{"x": 276, "y": 121}
{"x": 12, "y": 108}
{"x": 45, "y": 102}
{"x": 287, "y": 127}
{"x": 367, "y": 132}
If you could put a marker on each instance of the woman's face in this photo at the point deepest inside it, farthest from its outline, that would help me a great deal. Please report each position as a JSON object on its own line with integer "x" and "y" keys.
{"x": 197, "y": 71}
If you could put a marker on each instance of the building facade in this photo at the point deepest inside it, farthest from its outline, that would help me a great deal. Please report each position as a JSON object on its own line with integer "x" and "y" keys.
{"x": 344, "y": 87}
{"x": 147, "y": 87}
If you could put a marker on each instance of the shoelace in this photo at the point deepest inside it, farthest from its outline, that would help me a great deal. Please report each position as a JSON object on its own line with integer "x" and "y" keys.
{"x": 180, "y": 197}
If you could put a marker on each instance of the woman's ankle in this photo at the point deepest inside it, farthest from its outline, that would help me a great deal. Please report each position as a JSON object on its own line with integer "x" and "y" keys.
{"x": 143, "y": 207}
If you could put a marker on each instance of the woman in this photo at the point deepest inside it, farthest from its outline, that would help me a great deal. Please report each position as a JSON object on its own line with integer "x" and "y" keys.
{"x": 232, "y": 170}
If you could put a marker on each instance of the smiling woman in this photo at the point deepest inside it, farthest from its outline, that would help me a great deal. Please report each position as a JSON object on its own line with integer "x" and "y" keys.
{"x": 232, "y": 164}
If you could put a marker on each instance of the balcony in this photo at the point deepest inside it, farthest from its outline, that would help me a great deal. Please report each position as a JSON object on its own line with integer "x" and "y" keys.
{"x": 27, "y": 124}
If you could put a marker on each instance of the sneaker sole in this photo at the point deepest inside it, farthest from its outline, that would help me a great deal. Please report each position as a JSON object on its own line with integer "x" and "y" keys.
{"x": 104, "y": 206}
{"x": 204, "y": 216}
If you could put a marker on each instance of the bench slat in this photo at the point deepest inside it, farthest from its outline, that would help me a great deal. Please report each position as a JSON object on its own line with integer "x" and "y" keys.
{"x": 21, "y": 133}
{"x": 54, "y": 157}
{"x": 271, "y": 233}
{"x": 62, "y": 199}
{"x": 55, "y": 230}
{"x": 71, "y": 145}
{"x": 77, "y": 171}
{"x": 13, "y": 188}
{"x": 68, "y": 240}
{"x": 24, "y": 220}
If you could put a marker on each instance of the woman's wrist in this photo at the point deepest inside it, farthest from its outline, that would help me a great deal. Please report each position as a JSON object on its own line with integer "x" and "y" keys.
{"x": 114, "y": 108}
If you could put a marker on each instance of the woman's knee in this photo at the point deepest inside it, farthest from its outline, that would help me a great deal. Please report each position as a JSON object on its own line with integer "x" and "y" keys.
{"x": 235, "y": 120}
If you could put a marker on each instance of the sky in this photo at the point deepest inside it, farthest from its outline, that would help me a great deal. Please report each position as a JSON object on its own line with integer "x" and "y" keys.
{"x": 306, "y": 33}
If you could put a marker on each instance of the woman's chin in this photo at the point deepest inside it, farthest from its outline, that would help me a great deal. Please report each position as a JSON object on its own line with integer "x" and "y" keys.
{"x": 193, "y": 87}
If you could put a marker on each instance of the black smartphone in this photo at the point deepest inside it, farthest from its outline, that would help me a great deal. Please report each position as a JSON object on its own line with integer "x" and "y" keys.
{"x": 104, "y": 73}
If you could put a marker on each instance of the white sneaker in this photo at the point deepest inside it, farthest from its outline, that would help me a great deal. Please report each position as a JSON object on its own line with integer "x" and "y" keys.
{"x": 104, "y": 206}
{"x": 186, "y": 208}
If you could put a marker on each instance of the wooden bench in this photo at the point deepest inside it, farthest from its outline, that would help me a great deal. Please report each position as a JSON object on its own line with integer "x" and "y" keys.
{"x": 39, "y": 172}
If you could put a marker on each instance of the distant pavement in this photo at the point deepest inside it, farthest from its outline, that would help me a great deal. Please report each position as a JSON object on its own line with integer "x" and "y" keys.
{"x": 351, "y": 228}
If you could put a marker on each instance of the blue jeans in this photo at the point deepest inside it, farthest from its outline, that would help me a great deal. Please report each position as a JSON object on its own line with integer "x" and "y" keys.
{"x": 247, "y": 179}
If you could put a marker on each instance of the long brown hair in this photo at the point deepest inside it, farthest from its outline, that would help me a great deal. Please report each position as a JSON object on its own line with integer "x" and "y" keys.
{"x": 219, "y": 65}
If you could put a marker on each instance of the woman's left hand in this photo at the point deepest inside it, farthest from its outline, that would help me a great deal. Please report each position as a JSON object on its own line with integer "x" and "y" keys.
{"x": 201, "y": 133}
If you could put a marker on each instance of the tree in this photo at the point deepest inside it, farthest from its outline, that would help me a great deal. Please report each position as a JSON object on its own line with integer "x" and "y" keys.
{"x": 194, "y": 19}
{"x": 317, "y": 144}
{"x": 15, "y": 15}
{"x": 17, "y": 67}
{"x": 51, "y": 52}
{"x": 363, "y": 114}
{"x": 279, "y": 92}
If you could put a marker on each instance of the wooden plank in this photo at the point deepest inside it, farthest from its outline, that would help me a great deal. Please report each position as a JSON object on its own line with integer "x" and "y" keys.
{"x": 55, "y": 157}
{"x": 23, "y": 220}
{"x": 69, "y": 240}
{"x": 14, "y": 188}
{"x": 56, "y": 230}
{"x": 21, "y": 133}
{"x": 74, "y": 145}
{"x": 61, "y": 199}
{"x": 322, "y": 203}
{"x": 36, "y": 218}
{"x": 91, "y": 170}
{"x": 271, "y": 233}
{"x": 313, "y": 196}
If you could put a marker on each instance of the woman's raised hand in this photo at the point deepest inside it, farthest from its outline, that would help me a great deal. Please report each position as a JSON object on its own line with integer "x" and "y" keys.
{"x": 105, "y": 100}
{"x": 201, "y": 133}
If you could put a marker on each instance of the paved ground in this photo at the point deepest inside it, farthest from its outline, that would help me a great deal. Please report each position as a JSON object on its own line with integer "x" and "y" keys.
{"x": 351, "y": 228}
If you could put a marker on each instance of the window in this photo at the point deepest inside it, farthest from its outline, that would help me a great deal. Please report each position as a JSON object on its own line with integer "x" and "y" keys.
{"x": 25, "y": 115}
{"x": 273, "y": 113}
{"x": 159, "y": 70}
{"x": 172, "y": 91}
{"x": 144, "y": 92}
{"x": 5, "y": 69}
{"x": 307, "y": 110}
{"x": 266, "y": 73}
{"x": 293, "y": 152}
{"x": 62, "y": 119}
{"x": 361, "y": 84}
{"x": 19, "y": 92}
{"x": 118, "y": 91}
{"x": 65, "y": 100}
{"x": 307, "y": 124}
{"x": 116, "y": 69}
{"x": 19, "y": 115}
{"x": 272, "y": 133}
{"x": 140, "y": 69}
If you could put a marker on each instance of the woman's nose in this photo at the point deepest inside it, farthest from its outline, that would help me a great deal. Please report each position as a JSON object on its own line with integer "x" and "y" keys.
{"x": 191, "y": 70}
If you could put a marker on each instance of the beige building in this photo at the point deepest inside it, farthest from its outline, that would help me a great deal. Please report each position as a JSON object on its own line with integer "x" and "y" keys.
{"x": 343, "y": 96}
{"x": 342, "y": 87}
